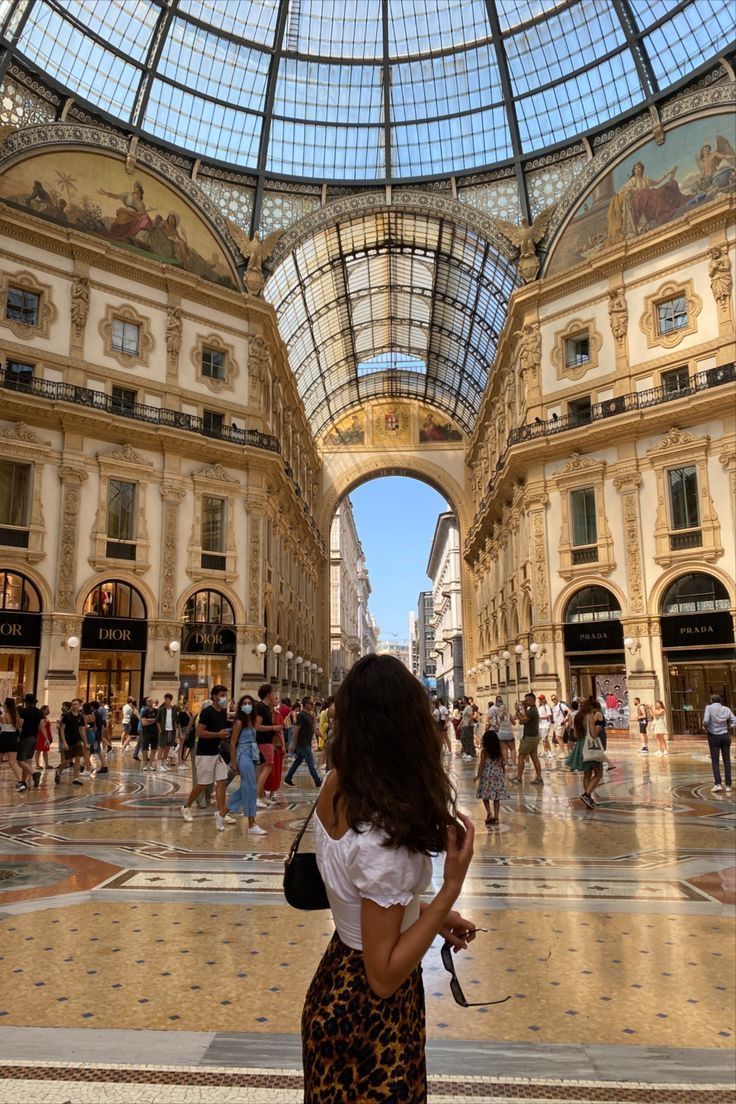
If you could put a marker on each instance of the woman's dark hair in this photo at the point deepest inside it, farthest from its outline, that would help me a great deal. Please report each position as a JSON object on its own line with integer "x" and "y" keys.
{"x": 246, "y": 722}
{"x": 492, "y": 744}
{"x": 580, "y": 723}
{"x": 388, "y": 757}
{"x": 11, "y": 710}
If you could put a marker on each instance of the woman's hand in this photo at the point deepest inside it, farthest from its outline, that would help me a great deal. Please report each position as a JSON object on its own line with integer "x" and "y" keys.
{"x": 457, "y": 859}
{"x": 457, "y": 931}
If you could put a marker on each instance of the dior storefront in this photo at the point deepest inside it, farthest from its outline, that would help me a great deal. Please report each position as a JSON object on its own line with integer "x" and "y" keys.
{"x": 112, "y": 660}
{"x": 208, "y": 646}
{"x": 20, "y": 635}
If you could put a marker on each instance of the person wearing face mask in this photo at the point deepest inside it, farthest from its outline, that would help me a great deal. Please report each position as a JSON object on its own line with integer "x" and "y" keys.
{"x": 244, "y": 756}
{"x": 212, "y": 727}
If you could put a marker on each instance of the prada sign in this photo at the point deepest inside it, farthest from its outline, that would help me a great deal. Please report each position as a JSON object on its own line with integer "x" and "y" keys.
{"x": 594, "y": 636}
{"x": 697, "y": 630}
{"x": 20, "y": 630}
{"x": 207, "y": 639}
{"x": 116, "y": 634}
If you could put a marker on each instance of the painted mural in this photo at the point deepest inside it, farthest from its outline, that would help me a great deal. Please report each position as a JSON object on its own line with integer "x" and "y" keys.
{"x": 93, "y": 192}
{"x": 434, "y": 430}
{"x": 349, "y": 432}
{"x": 651, "y": 187}
{"x": 392, "y": 425}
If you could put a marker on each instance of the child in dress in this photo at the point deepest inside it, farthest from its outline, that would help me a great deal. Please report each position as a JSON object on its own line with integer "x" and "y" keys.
{"x": 491, "y": 776}
{"x": 43, "y": 739}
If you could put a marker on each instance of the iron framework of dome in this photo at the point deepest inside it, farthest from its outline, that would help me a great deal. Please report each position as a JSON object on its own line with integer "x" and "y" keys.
{"x": 365, "y": 90}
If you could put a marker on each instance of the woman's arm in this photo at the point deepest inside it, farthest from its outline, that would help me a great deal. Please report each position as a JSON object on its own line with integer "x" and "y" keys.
{"x": 390, "y": 955}
{"x": 237, "y": 728}
{"x": 481, "y": 764}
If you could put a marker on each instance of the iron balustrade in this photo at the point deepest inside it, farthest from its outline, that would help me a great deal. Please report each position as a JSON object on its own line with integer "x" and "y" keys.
{"x": 153, "y": 415}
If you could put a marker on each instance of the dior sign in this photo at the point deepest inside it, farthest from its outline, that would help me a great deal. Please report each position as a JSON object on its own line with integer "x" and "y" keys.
{"x": 22, "y": 630}
{"x": 208, "y": 639}
{"x": 119, "y": 634}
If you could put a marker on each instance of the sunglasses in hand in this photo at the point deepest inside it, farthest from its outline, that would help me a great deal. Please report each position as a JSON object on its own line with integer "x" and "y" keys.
{"x": 455, "y": 986}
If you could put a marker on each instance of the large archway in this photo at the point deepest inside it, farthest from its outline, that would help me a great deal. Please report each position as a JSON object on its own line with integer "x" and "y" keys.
{"x": 344, "y": 473}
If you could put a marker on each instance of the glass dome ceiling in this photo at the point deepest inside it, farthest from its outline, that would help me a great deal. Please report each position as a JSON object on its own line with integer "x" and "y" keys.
{"x": 365, "y": 90}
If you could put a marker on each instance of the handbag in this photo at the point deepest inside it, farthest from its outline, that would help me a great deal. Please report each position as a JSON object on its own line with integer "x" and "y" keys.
{"x": 303, "y": 885}
{"x": 593, "y": 750}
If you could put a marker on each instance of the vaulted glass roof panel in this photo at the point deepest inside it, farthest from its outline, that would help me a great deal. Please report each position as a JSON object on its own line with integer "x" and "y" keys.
{"x": 253, "y": 20}
{"x": 367, "y": 90}
{"x": 214, "y": 66}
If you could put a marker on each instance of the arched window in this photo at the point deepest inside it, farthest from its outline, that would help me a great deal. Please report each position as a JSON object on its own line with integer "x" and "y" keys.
{"x": 115, "y": 599}
{"x": 695, "y": 593}
{"x": 208, "y": 607}
{"x": 593, "y": 603}
{"x": 18, "y": 593}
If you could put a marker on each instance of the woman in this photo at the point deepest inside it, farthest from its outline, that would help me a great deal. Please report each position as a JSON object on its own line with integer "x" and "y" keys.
{"x": 384, "y": 809}
{"x": 591, "y": 727}
{"x": 9, "y": 741}
{"x": 244, "y": 756}
{"x": 574, "y": 761}
{"x": 506, "y": 735}
{"x": 43, "y": 740}
{"x": 659, "y": 727}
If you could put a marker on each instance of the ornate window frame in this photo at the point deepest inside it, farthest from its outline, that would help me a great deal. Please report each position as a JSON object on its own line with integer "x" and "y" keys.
{"x": 20, "y": 444}
{"x": 232, "y": 370}
{"x": 578, "y": 473}
{"x": 125, "y": 463}
{"x": 126, "y": 313}
{"x": 649, "y": 323}
{"x": 216, "y": 481}
{"x": 575, "y": 328}
{"x": 47, "y": 312}
{"x": 677, "y": 448}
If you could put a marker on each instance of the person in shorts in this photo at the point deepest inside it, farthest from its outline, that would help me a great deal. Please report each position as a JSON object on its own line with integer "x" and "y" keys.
{"x": 30, "y": 716}
{"x": 167, "y": 718}
{"x": 528, "y": 714}
{"x": 72, "y": 732}
{"x": 265, "y": 731}
{"x": 213, "y": 727}
{"x": 149, "y": 735}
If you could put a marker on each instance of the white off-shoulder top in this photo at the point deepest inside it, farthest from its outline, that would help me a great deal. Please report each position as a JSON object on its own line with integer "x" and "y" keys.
{"x": 358, "y": 865}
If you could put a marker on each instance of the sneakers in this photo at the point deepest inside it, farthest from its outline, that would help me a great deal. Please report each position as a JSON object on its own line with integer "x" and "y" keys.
{"x": 537, "y": 781}
{"x": 187, "y": 814}
{"x": 516, "y": 781}
{"x": 21, "y": 787}
{"x": 716, "y": 789}
{"x": 587, "y": 801}
{"x": 643, "y": 749}
{"x": 36, "y": 779}
{"x": 261, "y": 804}
{"x": 219, "y": 822}
{"x": 77, "y": 782}
{"x": 728, "y": 788}
{"x": 229, "y": 819}
{"x": 103, "y": 770}
{"x": 146, "y": 767}
{"x": 57, "y": 776}
{"x": 288, "y": 782}
{"x": 256, "y": 831}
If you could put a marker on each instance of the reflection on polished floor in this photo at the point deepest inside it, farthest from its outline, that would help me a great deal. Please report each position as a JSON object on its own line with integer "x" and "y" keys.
{"x": 130, "y": 937}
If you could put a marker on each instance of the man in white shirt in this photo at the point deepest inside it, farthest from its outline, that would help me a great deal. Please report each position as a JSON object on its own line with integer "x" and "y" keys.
{"x": 716, "y": 721}
{"x": 560, "y": 715}
{"x": 467, "y": 738}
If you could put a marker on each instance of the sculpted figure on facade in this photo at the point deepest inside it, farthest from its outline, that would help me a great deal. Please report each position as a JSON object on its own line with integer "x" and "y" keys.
{"x": 173, "y": 333}
{"x": 255, "y": 250}
{"x": 721, "y": 278}
{"x": 618, "y": 313}
{"x": 80, "y": 303}
{"x": 526, "y": 238}
{"x": 258, "y": 366}
{"x": 530, "y": 350}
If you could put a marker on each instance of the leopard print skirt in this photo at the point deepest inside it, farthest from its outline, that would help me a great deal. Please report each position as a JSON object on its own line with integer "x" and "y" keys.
{"x": 357, "y": 1047}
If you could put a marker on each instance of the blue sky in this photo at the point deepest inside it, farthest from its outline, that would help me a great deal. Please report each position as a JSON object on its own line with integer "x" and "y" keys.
{"x": 395, "y": 518}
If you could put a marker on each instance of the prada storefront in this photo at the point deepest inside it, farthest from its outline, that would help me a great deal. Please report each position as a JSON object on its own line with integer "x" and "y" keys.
{"x": 208, "y": 646}
{"x": 20, "y": 635}
{"x": 698, "y": 648}
{"x": 114, "y": 640}
{"x": 594, "y": 652}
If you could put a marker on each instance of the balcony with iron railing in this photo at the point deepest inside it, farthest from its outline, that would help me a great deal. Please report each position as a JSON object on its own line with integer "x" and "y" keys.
{"x": 58, "y": 391}
{"x": 620, "y": 404}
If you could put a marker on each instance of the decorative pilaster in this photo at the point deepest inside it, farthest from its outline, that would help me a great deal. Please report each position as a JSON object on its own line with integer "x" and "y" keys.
{"x": 72, "y": 477}
{"x": 536, "y": 505}
{"x": 627, "y": 483}
{"x": 172, "y": 494}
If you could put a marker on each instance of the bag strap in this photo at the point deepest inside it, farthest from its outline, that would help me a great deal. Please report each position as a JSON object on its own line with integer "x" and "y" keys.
{"x": 295, "y": 845}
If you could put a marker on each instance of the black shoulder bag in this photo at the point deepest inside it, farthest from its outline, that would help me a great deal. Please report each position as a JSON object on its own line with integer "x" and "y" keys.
{"x": 303, "y": 885}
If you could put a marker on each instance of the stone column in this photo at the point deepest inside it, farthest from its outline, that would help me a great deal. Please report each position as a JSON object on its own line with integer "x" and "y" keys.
{"x": 60, "y": 683}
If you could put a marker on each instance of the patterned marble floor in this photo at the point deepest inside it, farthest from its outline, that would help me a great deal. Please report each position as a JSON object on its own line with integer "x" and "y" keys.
{"x": 611, "y": 929}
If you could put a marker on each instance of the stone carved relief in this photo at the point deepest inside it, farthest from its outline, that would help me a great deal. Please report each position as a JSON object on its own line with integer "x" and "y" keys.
{"x": 172, "y": 496}
{"x": 22, "y": 432}
{"x": 80, "y": 304}
{"x": 173, "y": 335}
{"x": 258, "y": 371}
{"x": 72, "y": 478}
{"x": 721, "y": 278}
{"x": 126, "y": 453}
{"x": 254, "y": 555}
{"x": 628, "y": 483}
{"x": 618, "y": 313}
{"x": 217, "y": 473}
{"x": 539, "y": 552}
